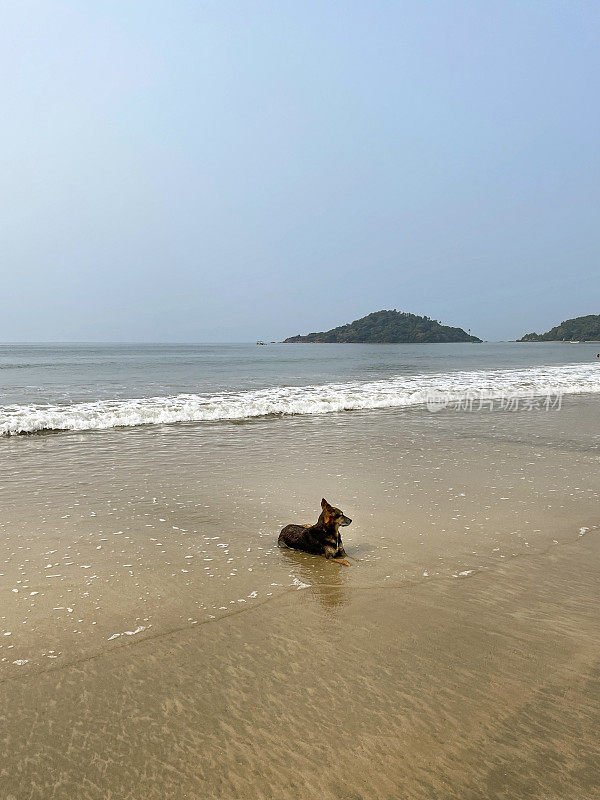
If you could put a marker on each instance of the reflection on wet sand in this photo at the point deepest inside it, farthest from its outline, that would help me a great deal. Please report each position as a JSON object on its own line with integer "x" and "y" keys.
{"x": 325, "y": 581}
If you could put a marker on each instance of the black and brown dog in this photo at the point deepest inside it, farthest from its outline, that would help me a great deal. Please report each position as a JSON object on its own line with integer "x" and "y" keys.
{"x": 321, "y": 539}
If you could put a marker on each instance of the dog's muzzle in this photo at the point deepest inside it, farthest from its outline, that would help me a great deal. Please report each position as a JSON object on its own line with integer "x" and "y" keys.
{"x": 345, "y": 521}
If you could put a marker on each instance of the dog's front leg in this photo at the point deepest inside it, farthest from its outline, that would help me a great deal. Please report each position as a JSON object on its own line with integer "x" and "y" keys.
{"x": 330, "y": 556}
{"x": 343, "y": 554}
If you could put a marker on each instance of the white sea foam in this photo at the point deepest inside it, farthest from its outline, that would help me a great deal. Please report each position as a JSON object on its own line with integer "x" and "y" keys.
{"x": 401, "y": 391}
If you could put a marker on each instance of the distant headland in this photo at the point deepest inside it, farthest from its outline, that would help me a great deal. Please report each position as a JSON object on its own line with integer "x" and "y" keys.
{"x": 388, "y": 327}
{"x": 578, "y": 329}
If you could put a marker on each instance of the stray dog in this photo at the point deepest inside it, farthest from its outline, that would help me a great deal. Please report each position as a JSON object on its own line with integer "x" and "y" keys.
{"x": 321, "y": 539}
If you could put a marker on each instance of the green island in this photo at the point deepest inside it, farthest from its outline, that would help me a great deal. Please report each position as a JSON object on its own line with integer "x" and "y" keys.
{"x": 388, "y": 327}
{"x": 578, "y": 329}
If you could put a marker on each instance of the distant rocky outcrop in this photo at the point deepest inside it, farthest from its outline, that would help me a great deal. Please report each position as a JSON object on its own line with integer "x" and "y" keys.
{"x": 389, "y": 327}
{"x": 579, "y": 329}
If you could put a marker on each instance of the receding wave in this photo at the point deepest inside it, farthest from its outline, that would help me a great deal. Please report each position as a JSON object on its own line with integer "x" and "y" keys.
{"x": 435, "y": 389}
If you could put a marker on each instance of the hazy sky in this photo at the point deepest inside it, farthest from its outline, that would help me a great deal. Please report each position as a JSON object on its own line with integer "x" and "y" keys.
{"x": 210, "y": 170}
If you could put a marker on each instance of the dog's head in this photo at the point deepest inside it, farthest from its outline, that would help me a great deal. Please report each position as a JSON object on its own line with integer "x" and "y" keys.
{"x": 333, "y": 516}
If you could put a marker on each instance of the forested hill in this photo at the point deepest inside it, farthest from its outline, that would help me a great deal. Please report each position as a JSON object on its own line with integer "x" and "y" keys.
{"x": 383, "y": 327}
{"x": 577, "y": 329}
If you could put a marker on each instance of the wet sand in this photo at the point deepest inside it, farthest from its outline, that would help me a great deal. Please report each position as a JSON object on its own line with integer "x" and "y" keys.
{"x": 482, "y": 688}
{"x": 458, "y": 659}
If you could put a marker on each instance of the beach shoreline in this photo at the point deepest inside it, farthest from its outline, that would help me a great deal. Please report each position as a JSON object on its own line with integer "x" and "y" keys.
{"x": 160, "y": 645}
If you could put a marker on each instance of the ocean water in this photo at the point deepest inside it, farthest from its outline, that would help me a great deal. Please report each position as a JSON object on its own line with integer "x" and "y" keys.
{"x": 101, "y": 386}
{"x": 151, "y": 509}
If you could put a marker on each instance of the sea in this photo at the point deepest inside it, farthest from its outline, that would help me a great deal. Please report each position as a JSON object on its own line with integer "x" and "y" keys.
{"x": 79, "y": 387}
{"x": 143, "y": 487}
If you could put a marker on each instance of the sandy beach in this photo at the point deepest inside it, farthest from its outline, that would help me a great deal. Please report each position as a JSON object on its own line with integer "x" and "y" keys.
{"x": 157, "y": 644}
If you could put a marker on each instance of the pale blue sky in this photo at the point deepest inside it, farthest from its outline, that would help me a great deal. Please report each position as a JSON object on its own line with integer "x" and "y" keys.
{"x": 226, "y": 171}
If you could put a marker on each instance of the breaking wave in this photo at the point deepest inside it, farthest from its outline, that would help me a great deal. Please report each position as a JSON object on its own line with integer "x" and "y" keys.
{"x": 396, "y": 392}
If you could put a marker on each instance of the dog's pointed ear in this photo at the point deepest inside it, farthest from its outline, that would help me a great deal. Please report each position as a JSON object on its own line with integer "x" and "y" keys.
{"x": 324, "y": 504}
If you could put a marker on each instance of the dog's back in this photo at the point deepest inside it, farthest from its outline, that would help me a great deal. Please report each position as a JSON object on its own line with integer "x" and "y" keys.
{"x": 303, "y": 537}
